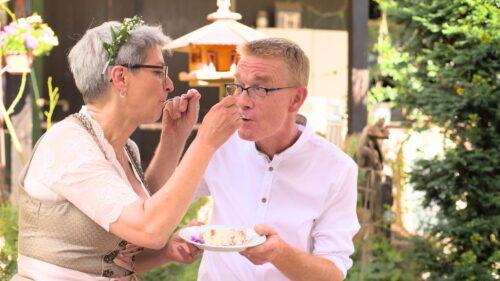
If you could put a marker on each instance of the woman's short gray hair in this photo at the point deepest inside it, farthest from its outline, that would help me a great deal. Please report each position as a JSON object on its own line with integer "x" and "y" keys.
{"x": 88, "y": 58}
{"x": 294, "y": 57}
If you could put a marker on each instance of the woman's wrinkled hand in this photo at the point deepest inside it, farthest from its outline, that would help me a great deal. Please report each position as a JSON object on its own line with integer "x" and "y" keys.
{"x": 180, "y": 251}
{"x": 180, "y": 115}
{"x": 220, "y": 123}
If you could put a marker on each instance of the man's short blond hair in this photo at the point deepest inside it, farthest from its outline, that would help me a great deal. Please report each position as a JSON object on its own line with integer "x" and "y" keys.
{"x": 293, "y": 56}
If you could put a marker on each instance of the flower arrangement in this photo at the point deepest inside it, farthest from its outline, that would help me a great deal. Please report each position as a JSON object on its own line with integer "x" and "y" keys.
{"x": 20, "y": 41}
{"x": 27, "y": 35}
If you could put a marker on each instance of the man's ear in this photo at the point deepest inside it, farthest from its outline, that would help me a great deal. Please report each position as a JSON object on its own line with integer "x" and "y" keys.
{"x": 298, "y": 99}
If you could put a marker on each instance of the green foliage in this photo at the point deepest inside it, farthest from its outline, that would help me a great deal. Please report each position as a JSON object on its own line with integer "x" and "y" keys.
{"x": 446, "y": 70}
{"x": 385, "y": 262}
{"x": 8, "y": 123}
{"x": 350, "y": 147}
{"x": 388, "y": 68}
{"x": 468, "y": 233}
{"x": 381, "y": 94}
{"x": 173, "y": 272}
{"x": 119, "y": 36}
{"x": 351, "y": 144}
{"x": 8, "y": 240}
{"x": 176, "y": 271}
{"x": 53, "y": 99}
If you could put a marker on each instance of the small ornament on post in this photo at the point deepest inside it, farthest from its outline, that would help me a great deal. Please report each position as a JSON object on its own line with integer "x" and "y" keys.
{"x": 18, "y": 63}
{"x": 262, "y": 21}
{"x": 288, "y": 14}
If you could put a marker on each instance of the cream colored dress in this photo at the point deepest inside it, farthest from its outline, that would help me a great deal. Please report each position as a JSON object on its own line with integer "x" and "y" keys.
{"x": 68, "y": 165}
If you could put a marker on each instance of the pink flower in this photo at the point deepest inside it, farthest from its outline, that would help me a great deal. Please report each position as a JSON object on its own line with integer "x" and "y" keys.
{"x": 31, "y": 42}
{"x": 10, "y": 29}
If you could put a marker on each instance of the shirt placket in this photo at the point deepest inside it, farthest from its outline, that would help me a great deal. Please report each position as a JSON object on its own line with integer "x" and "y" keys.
{"x": 267, "y": 180}
{"x": 269, "y": 168}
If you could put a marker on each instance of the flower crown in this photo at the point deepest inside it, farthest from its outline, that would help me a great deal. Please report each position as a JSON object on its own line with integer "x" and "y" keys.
{"x": 118, "y": 37}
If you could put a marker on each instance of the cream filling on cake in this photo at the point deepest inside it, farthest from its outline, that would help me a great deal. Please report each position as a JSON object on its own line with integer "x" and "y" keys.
{"x": 225, "y": 237}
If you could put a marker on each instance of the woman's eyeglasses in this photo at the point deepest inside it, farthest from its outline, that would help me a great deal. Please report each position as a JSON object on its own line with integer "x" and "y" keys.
{"x": 164, "y": 69}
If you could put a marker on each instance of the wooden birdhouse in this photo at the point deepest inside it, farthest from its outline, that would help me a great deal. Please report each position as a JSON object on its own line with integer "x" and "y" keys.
{"x": 212, "y": 48}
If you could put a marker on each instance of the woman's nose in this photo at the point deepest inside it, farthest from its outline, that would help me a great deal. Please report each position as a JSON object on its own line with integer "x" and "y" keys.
{"x": 169, "y": 85}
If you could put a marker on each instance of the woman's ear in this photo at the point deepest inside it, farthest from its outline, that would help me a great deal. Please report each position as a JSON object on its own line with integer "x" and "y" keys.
{"x": 118, "y": 76}
{"x": 298, "y": 99}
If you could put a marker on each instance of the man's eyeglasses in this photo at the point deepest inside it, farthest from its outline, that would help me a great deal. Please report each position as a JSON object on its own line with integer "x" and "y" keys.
{"x": 252, "y": 91}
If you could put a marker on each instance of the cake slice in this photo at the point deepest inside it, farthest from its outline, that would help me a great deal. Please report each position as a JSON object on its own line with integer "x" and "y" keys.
{"x": 226, "y": 237}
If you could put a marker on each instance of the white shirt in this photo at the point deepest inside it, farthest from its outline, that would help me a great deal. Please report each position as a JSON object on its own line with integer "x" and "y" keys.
{"x": 68, "y": 165}
{"x": 307, "y": 193}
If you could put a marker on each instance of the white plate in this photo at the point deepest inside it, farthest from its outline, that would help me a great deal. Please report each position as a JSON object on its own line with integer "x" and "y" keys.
{"x": 197, "y": 231}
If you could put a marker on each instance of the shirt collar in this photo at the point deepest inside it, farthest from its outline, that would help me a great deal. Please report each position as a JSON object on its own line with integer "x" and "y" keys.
{"x": 305, "y": 136}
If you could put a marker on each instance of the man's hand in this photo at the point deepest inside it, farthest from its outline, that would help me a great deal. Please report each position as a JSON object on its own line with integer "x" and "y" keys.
{"x": 180, "y": 114}
{"x": 295, "y": 264}
{"x": 180, "y": 251}
{"x": 267, "y": 251}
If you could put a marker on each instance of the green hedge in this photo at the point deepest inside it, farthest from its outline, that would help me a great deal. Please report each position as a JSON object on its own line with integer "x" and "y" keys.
{"x": 8, "y": 238}
{"x": 446, "y": 67}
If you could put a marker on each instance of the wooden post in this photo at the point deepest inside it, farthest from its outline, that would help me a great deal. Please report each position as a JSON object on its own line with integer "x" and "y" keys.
{"x": 4, "y": 187}
{"x": 358, "y": 65}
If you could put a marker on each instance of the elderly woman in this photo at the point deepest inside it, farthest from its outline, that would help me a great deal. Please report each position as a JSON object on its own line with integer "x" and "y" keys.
{"x": 87, "y": 211}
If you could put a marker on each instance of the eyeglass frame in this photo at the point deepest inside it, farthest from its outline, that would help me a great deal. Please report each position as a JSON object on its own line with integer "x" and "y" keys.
{"x": 164, "y": 68}
{"x": 256, "y": 87}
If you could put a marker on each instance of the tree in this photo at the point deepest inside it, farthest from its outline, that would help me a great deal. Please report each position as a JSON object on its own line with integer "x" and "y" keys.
{"x": 446, "y": 73}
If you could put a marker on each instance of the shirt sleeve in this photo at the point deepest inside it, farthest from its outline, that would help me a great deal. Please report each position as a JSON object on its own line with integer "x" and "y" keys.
{"x": 70, "y": 163}
{"x": 334, "y": 230}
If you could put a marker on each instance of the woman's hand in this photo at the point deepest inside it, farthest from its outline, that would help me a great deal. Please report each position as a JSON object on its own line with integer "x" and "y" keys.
{"x": 180, "y": 115}
{"x": 220, "y": 123}
{"x": 180, "y": 251}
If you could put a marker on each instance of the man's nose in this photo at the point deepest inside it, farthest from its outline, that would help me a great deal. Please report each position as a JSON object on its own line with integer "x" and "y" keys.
{"x": 244, "y": 101}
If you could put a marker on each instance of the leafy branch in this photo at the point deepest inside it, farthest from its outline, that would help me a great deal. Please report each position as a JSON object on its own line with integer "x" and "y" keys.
{"x": 53, "y": 99}
{"x": 6, "y": 117}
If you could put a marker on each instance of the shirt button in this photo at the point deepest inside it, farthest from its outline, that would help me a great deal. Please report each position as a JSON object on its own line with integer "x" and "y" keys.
{"x": 263, "y": 200}
{"x": 270, "y": 169}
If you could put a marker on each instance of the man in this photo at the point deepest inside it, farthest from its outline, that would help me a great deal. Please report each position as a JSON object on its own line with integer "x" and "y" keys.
{"x": 297, "y": 188}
